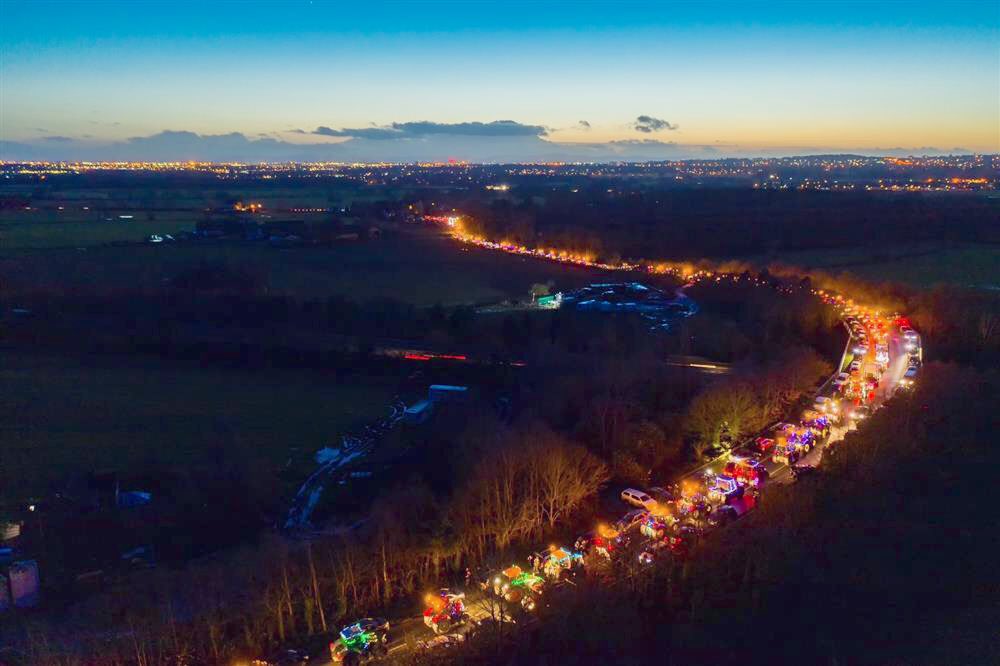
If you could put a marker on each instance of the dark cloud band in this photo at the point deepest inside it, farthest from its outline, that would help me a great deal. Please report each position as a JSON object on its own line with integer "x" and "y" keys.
{"x": 649, "y": 124}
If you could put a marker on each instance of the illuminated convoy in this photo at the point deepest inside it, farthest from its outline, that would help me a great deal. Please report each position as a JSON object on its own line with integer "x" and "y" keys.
{"x": 667, "y": 520}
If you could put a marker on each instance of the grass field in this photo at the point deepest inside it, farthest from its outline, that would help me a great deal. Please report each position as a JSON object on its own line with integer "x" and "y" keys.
{"x": 417, "y": 266}
{"x": 38, "y": 229}
{"x": 916, "y": 265}
{"x": 62, "y": 416}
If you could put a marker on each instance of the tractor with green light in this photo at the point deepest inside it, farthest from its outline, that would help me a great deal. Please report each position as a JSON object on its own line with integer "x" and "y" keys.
{"x": 361, "y": 641}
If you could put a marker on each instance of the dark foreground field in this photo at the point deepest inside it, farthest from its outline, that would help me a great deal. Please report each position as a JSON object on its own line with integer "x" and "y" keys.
{"x": 62, "y": 417}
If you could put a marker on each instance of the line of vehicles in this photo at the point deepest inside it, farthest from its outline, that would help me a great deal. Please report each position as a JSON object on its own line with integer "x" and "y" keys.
{"x": 510, "y": 595}
{"x": 663, "y": 519}
{"x": 666, "y": 520}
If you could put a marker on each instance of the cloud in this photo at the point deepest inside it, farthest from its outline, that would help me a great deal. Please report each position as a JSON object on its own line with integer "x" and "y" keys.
{"x": 297, "y": 131}
{"x": 425, "y": 128}
{"x": 376, "y": 133}
{"x": 648, "y": 124}
{"x": 495, "y": 128}
{"x": 583, "y": 124}
{"x": 640, "y": 142}
{"x": 420, "y": 142}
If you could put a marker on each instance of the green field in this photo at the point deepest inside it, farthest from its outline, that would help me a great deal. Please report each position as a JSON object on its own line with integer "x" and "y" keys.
{"x": 63, "y": 416}
{"x": 918, "y": 266}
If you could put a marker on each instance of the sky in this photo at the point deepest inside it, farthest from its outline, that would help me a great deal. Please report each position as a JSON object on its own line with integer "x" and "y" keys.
{"x": 483, "y": 81}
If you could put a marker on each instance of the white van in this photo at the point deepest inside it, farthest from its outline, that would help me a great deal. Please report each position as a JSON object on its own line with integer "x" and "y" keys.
{"x": 638, "y": 498}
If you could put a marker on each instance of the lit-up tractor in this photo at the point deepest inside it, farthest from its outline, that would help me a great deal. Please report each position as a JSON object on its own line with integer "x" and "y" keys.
{"x": 677, "y": 542}
{"x": 657, "y": 527}
{"x": 803, "y": 438}
{"x": 558, "y": 561}
{"x": 602, "y": 541}
{"x": 746, "y": 471}
{"x": 445, "y": 611}
{"x": 694, "y": 504}
{"x": 812, "y": 431}
{"x": 664, "y": 533}
{"x": 724, "y": 490}
{"x": 818, "y": 423}
{"x": 360, "y": 642}
{"x": 785, "y": 452}
{"x": 516, "y": 586}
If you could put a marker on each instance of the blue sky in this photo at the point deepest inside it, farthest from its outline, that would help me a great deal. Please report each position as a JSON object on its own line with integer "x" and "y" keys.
{"x": 727, "y": 78}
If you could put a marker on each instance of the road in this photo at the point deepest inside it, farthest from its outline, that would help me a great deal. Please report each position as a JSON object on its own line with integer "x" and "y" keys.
{"x": 888, "y": 384}
{"x": 336, "y": 464}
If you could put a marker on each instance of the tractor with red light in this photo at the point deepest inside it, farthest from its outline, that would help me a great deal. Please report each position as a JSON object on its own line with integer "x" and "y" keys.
{"x": 445, "y": 610}
{"x": 746, "y": 471}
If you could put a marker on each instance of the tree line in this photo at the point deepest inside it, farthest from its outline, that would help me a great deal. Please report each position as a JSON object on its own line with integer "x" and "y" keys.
{"x": 239, "y": 603}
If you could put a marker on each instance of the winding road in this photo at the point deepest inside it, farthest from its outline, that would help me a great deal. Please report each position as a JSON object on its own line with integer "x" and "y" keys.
{"x": 407, "y": 632}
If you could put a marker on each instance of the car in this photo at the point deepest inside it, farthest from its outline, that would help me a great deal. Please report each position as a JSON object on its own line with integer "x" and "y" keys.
{"x": 860, "y": 349}
{"x": 841, "y": 379}
{"x": 638, "y": 498}
{"x": 662, "y": 495}
{"x": 905, "y": 329}
{"x": 631, "y": 518}
{"x": 911, "y": 372}
{"x": 855, "y": 366}
{"x": 763, "y": 445}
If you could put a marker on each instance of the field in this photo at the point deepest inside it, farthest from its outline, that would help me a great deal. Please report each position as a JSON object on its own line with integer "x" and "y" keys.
{"x": 46, "y": 229}
{"x": 64, "y": 416}
{"x": 418, "y": 266}
{"x": 916, "y": 265}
